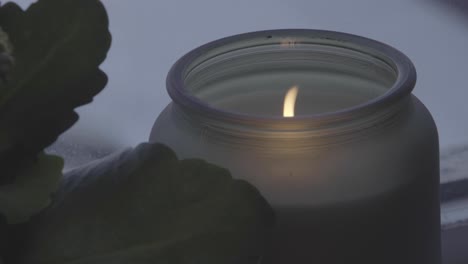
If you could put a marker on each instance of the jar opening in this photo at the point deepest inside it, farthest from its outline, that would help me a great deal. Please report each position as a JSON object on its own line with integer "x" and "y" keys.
{"x": 247, "y": 76}
{"x": 254, "y": 80}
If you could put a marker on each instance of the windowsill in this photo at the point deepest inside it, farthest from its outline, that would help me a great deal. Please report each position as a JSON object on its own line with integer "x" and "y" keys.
{"x": 454, "y": 187}
{"x": 454, "y": 204}
{"x": 455, "y": 232}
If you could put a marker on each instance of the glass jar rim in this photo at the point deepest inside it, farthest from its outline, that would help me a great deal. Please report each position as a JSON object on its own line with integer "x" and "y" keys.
{"x": 402, "y": 86}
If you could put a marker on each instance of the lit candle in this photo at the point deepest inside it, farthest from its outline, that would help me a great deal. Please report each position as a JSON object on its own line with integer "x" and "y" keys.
{"x": 290, "y": 102}
{"x": 350, "y": 166}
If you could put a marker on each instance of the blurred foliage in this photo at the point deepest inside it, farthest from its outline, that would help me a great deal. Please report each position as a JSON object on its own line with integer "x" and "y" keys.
{"x": 143, "y": 205}
{"x": 55, "y": 48}
{"x": 140, "y": 206}
{"x": 49, "y": 65}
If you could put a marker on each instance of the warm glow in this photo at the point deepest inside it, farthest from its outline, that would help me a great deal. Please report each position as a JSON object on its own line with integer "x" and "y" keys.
{"x": 288, "y": 43}
{"x": 290, "y": 101}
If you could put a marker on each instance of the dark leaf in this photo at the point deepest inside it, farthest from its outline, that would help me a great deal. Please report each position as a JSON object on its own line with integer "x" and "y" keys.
{"x": 57, "y": 46}
{"x": 31, "y": 191}
{"x": 146, "y": 206}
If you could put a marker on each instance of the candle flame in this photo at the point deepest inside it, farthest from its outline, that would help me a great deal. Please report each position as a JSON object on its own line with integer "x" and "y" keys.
{"x": 290, "y": 101}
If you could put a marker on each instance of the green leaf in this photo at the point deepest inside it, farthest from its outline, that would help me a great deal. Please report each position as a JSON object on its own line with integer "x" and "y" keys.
{"x": 57, "y": 46}
{"x": 146, "y": 206}
{"x": 31, "y": 191}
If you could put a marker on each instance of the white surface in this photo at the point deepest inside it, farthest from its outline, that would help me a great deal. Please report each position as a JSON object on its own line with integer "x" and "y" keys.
{"x": 454, "y": 164}
{"x": 149, "y": 36}
{"x": 455, "y": 213}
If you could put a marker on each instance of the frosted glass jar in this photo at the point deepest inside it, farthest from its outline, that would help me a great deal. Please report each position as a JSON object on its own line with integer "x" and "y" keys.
{"x": 353, "y": 176}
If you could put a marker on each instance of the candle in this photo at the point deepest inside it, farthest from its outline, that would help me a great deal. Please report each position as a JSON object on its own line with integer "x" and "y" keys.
{"x": 325, "y": 126}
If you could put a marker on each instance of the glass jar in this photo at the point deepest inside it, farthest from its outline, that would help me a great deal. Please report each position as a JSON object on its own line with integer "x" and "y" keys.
{"x": 353, "y": 175}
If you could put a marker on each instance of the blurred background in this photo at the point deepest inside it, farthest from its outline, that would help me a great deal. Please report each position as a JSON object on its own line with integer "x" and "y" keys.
{"x": 149, "y": 36}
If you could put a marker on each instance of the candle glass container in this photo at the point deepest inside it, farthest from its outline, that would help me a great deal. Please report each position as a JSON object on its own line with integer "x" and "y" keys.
{"x": 352, "y": 174}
